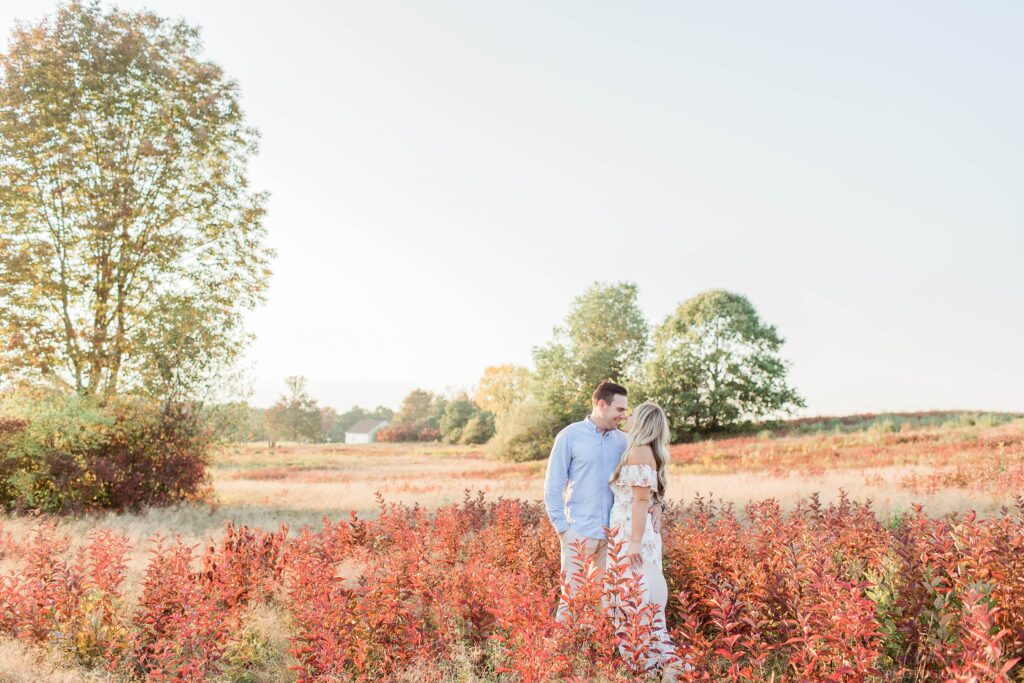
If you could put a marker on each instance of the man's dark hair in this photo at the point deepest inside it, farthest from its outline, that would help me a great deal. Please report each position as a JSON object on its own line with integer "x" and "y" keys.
{"x": 606, "y": 391}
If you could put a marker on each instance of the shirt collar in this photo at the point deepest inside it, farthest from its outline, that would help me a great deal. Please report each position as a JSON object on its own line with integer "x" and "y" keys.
{"x": 590, "y": 425}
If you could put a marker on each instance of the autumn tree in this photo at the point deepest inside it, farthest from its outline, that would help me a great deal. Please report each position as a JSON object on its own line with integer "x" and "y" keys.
{"x": 417, "y": 406}
{"x": 296, "y": 416}
{"x": 715, "y": 363}
{"x": 419, "y": 418}
{"x": 422, "y": 408}
{"x": 501, "y": 387}
{"x": 131, "y": 241}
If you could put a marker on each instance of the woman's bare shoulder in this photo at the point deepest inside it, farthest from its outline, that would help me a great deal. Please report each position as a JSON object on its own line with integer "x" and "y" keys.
{"x": 640, "y": 455}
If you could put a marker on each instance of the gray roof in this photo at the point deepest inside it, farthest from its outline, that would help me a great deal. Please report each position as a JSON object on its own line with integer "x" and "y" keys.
{"x": 365, "y": 426}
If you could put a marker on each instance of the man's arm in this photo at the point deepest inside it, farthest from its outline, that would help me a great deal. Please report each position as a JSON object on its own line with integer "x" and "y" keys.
{"x": 555, "y": 480}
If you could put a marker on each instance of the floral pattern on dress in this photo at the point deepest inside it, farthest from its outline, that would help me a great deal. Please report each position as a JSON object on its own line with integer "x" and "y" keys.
{"x": 621, "y": 517}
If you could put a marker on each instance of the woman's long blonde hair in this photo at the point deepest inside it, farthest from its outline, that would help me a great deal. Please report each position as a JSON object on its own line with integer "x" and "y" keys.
{"x": 650, "y": 428}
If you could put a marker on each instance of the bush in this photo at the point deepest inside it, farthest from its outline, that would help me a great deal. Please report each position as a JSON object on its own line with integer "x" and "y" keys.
{"x": 399, "y": 432}
{"x": 428, "y": 433}
{"x": 478, "y": 430}
{"x": 70, "y": 454}
{"x": 525, "y": 433}
{"x": 408, "y": 431}
{"x": 457, "y": 415}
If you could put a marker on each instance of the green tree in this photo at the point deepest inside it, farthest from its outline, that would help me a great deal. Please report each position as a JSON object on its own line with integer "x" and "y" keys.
{"x": 605, "y": 336}
{"x": 257, "y": 430}
{"x": 236, "y": 421}
{"x": 131, "y": 241}
{"x": 716, "y": 363}
{"x": 295, "y": 416}
{"x": 458, "y": 413}
{"x": 525, "y": 432}
{"x": 438, "y": 408}
{"x": 229, "y": 422}
{"x": 479, "y": 430}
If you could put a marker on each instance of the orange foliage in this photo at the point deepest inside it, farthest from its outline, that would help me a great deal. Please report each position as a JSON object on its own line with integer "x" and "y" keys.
{"x": 819, "y": 593}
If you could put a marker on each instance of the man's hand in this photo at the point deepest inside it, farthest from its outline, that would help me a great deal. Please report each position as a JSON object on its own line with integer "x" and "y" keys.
{"x": 656, "y": 517}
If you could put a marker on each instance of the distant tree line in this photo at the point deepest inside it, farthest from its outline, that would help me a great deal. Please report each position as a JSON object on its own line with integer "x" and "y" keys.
{"x": 296, "y": 416}
{"x": 713, "y": 364}
{"x": 425, "y": 416}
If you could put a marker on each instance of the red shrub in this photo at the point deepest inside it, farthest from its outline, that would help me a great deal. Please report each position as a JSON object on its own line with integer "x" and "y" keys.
{"x": 186, "y": 617}
{"x": 408, "y": 431}
{"x": 76, "y": 455}
{"x": 818, "y": 593}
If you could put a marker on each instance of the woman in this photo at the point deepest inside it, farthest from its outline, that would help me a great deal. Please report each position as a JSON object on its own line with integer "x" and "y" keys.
{"x": 639, "y": 477}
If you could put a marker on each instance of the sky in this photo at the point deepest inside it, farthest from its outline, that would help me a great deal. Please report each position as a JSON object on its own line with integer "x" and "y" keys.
{"x": 446, "y": 176}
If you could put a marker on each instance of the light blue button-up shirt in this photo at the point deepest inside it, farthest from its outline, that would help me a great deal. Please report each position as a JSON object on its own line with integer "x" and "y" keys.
{"x": 576, "y": 491}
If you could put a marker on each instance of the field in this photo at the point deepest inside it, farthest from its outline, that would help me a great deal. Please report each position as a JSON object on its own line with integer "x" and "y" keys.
{"x": 442, "y": 580}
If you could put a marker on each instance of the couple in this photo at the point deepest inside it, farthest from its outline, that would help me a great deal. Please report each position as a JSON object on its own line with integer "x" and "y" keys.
{"x": 599, "y": 476}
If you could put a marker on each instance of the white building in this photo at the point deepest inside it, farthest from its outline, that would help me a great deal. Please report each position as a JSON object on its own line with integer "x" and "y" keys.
{"x": 364, "y": 431}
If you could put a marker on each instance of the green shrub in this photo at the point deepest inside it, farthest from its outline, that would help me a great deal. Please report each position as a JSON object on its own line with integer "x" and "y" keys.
{"x": 525, "y": 433}
{"x": 62, "y": 453}
{"x": 886, "y": 425}
{"x": 478, "y": 430}
{"x": 457, "y": 414}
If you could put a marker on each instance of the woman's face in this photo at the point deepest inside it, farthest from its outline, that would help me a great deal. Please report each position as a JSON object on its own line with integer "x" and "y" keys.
{"x": 627, "y": 424}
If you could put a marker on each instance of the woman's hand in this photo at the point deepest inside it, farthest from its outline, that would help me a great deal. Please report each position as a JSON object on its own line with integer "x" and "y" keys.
{"x": 634, "y": 556}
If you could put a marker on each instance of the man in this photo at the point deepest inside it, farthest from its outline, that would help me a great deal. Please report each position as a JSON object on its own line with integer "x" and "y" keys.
{"x": 576, "y": 491}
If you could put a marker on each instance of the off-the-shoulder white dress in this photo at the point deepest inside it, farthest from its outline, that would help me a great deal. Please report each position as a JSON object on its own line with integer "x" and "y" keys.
{"x": 621, "y": 520}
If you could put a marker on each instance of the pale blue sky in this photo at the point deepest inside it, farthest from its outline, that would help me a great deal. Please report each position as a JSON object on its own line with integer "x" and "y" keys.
{"x": 447, "y": 176}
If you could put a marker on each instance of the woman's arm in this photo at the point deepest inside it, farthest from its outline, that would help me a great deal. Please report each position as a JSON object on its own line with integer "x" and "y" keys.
{"x": 641, "y": 503}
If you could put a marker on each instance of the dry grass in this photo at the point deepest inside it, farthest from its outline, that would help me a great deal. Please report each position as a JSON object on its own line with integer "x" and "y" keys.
{"x": 297, "y": 484}
{"x": 21, "y": 663}
{"x": 333, "y": 479}
{"x": 872, "y": 464}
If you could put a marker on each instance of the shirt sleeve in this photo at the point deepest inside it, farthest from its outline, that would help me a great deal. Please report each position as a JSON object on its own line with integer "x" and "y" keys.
{"x": 555, "y": 480}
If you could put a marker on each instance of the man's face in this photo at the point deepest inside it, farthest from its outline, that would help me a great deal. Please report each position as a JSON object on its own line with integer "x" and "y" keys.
{"x": 615, "y": 412}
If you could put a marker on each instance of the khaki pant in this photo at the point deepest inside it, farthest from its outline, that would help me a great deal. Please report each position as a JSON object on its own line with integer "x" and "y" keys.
{"x": 596, "y": 547}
